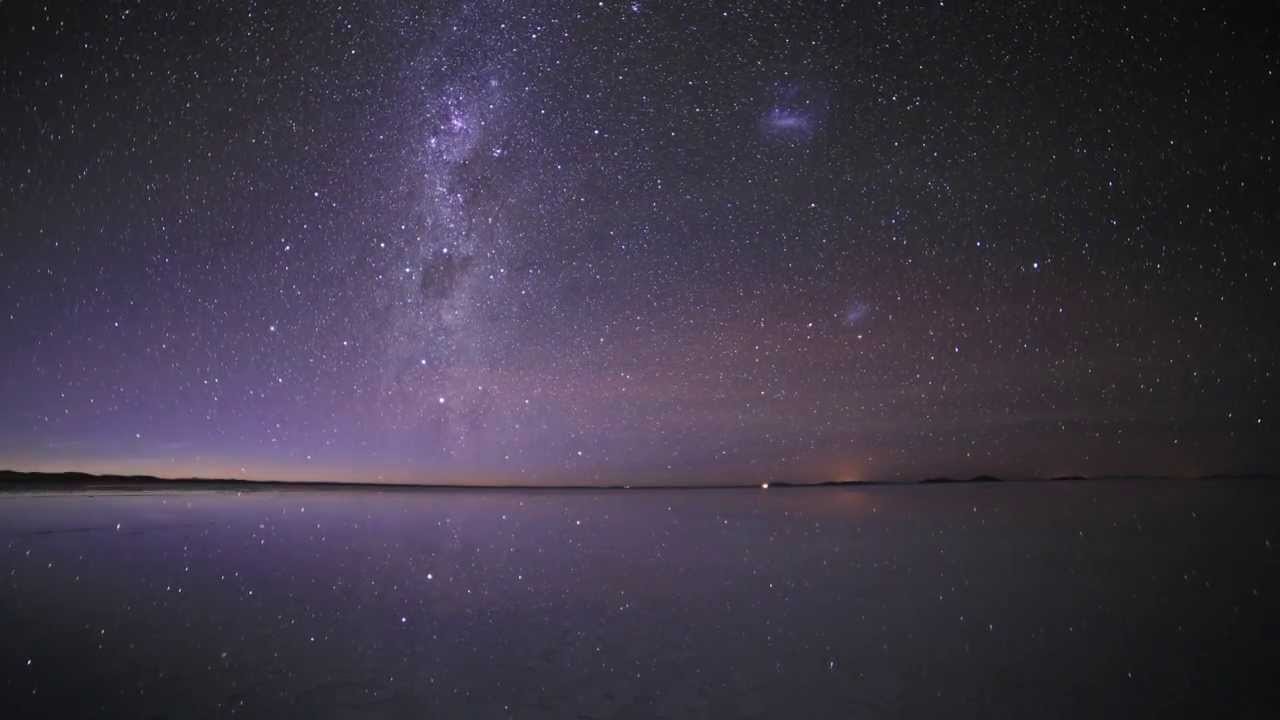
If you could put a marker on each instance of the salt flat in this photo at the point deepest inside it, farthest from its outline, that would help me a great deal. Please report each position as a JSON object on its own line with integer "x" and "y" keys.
{"x": 1113, "y": 599}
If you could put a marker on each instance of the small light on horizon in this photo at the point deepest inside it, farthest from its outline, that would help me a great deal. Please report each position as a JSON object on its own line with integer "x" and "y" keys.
{"x": 764, "y": 486}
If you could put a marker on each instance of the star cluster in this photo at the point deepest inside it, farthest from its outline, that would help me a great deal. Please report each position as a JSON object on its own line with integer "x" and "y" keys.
{"x": 637, "y": 242}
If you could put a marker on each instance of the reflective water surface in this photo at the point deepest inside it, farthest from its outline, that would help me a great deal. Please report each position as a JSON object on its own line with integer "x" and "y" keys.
{"x": 1047, "y": 600}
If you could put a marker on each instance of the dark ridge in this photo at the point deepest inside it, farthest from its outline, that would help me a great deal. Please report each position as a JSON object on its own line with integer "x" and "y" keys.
{"x": 975, "y": 479}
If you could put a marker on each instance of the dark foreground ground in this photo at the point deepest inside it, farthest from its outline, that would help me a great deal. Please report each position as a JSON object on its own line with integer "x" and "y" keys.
{"x": 1080, "y": 599}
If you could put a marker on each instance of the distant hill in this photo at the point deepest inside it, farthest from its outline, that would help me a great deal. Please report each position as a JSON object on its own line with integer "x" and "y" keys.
{"x": 945, "y": 480}
{"x": 79, "y": 479}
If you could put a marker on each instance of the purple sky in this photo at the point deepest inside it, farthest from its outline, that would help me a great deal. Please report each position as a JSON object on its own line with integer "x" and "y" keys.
{"x": 636, "y": 243}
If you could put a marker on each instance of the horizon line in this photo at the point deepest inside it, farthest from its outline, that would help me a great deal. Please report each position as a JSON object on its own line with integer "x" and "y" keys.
{"x": 8, "y": 477}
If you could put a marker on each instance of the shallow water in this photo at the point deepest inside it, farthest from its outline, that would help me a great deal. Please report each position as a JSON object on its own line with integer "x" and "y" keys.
{"x": 1046, "y": 600}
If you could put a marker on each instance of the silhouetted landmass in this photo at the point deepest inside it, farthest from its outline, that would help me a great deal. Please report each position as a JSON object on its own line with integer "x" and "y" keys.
{"x": 976, "y": 479}
{"x": 10, "y": 479}
{"x": 16, "y": 481}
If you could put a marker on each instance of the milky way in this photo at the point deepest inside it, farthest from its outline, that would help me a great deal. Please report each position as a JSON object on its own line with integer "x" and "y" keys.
{"x": 637, "y": 242}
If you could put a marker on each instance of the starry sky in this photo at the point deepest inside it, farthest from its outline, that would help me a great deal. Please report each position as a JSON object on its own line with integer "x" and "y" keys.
{"x": 637, "y": 242}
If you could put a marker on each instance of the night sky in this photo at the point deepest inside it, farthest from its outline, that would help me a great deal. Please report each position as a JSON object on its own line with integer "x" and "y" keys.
{"x": 637, "y": 242}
